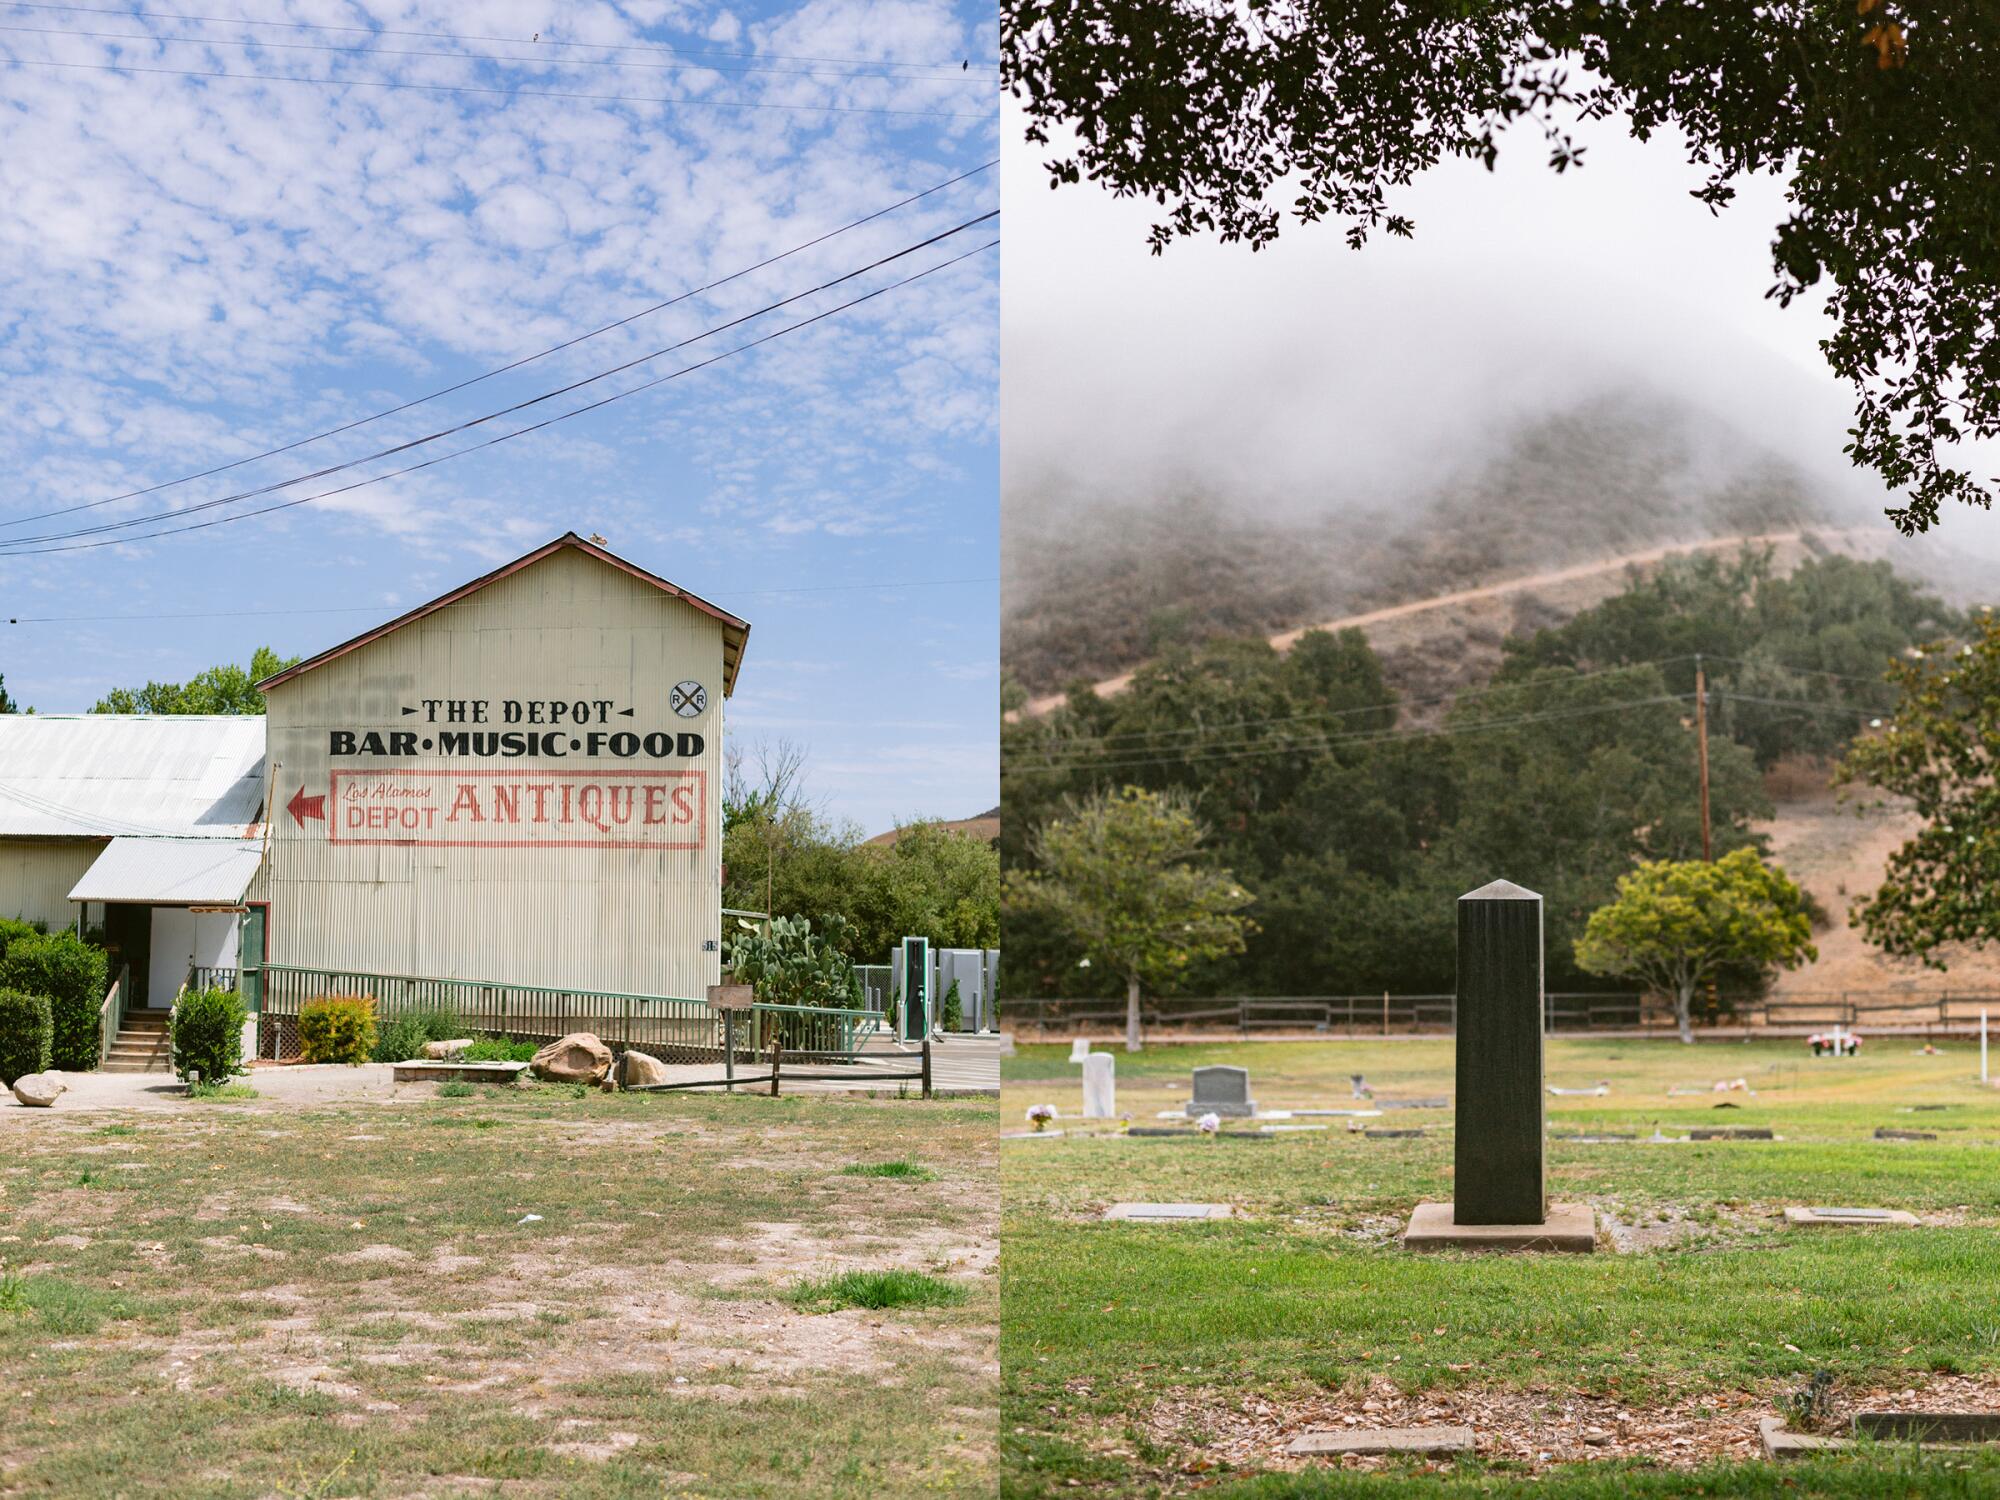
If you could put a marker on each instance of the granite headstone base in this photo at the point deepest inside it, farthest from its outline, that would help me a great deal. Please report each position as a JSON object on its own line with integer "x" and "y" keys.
{"x": 1569, "y": 1227}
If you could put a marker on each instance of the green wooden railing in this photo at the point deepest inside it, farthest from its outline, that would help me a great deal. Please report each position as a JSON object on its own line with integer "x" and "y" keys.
{"x": 111, "y": 1014}
{"x": 823, "y": 1031}
{"x": 527, "y": 1012}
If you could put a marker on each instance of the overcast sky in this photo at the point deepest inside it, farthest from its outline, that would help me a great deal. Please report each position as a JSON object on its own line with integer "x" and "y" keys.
{"x": 1303, "y": 372}
{"x": 200, "y": 268}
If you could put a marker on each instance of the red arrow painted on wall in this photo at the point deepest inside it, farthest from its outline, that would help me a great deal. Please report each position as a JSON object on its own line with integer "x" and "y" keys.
{"x": 302, "y": 807}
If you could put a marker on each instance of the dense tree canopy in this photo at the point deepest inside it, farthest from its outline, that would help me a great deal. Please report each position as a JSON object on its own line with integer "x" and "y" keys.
{"x": 1678, "y": 924}
{"x": 1941, "y": 750}
{"x": 1124, "y": 875}
{"x": 1879, "y": 113}
{"x": 226, "y": 689}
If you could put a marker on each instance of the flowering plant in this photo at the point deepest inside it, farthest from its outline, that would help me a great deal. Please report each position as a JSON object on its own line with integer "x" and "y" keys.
{"x": 1039, "y": 1115}
{"x": 1208, "y": 1124}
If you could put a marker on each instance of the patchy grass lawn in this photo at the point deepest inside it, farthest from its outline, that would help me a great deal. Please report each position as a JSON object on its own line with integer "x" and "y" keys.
{"x": 1147, "y": 1358}
{"x": 249, "y": 1299}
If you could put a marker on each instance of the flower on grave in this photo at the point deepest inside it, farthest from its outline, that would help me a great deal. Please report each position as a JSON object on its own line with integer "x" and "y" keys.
{"x": 1039, "y": 1115}
{"x": 1208, "y": 1124}
{"x": 1124, "y": 1123}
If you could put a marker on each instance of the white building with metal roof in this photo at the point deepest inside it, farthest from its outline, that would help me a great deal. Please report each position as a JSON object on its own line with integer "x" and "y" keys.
{"x": 149, "y": 826}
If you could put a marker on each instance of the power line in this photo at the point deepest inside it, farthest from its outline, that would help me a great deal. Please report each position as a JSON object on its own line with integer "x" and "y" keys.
{"x": 76, "y": 546}
{"x": 513, "y": 93}
{"x": 450, "y": 36}
{"x": 526, "y": 359}
{"x": 882, "y": 585}
{"x": 443, "y": 432}
{"x": 348, "y": 50}
{"x": 1231, "y": 725}
{"x": 1322, "y": 742}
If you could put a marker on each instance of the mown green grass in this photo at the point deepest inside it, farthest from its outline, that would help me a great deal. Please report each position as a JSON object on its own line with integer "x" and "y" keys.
{"x": 249, "y": 1299}
{"x": 1305, "y": 1291}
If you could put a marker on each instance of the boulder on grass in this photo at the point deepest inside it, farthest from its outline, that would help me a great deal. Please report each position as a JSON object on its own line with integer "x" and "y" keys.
{"x": 577, "y": 1058}
{"x": 445, "y": 1051}
{"x": 38, "y": 1090}
{"x": 643, "y": 1069}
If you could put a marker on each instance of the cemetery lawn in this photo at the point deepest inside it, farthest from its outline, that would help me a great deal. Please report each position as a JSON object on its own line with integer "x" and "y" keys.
{"x": 1155, "y": 1358}
{"x": 224, "y": 1299}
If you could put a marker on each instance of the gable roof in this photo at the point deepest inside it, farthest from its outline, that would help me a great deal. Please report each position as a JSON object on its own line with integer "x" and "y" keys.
{"x": 100, "y": 775}
{"x": 735, "y": 632}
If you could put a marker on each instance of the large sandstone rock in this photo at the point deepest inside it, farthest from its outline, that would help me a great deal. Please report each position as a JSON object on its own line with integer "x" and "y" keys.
{"x": 643, "y": 1069}
{"x": 444, "y": 1051}
{"x": 38, "y": 1090}
{"x": 577, "y": 1058}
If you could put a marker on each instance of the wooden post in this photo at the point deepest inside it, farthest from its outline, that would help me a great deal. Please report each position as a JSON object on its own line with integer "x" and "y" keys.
{"x": 729, "y": 1051}
{"x": 1701, "y": 751}
{"x": 777, "y": 1057}
{"x": 927, "y": 1066}
{"x": 1385, "y": 1012}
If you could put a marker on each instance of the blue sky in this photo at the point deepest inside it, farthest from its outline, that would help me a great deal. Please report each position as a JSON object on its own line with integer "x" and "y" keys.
{"x": 201, "y": 268}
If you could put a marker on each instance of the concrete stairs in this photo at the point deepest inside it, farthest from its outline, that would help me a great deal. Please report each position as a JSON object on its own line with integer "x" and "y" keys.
{"x": 142, "y": 1045}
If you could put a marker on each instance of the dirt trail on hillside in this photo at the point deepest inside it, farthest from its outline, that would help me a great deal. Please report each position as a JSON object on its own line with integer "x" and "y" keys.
{"x": 1555, "y": 579}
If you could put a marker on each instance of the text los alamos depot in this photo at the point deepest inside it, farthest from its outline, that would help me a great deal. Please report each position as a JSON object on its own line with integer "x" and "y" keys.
{"x": 520, "y": 809}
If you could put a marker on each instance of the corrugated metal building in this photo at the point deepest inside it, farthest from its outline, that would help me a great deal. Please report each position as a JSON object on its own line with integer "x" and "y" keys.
{"x": 134, "y": 824}
{"x": 519, "y": 781}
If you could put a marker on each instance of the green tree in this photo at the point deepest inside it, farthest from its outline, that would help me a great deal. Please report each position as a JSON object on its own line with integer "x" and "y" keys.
{"x": 225, "y": 689}
{"x": 1941, "y": 751}
{"x": 1677, "y": 923}
{"x": 7, "y": 704}
{"x": 1879, "y": 113}
{"x": 1123, "y": 873}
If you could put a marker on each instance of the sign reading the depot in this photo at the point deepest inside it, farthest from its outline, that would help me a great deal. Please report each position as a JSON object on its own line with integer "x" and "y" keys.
{"x": 532, "y": 808}
{"x": 550, "y": 728}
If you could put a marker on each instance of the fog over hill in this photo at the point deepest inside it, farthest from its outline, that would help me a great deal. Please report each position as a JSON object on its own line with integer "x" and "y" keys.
{"x": 1098, "y": 582}
{"x": 1555, "y": 369}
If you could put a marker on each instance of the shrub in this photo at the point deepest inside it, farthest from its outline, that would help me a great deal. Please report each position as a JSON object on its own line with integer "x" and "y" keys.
{"x": 208, "y": 1035}
{"x": 402, "y": 1037}
{"x": 337, "y": 1029}
{"x": 954, "y": 1009}
{"x": 499, "y": 1049}
{"x": 875, "y": 1290}
{"x": 24, "y": 1035}
{"x": 11, "y": 929}
{"x": 70, "y": 972}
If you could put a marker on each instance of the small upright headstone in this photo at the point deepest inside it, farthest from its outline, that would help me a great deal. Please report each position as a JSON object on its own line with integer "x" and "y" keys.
{"x": 1100, "y": 1091}
{"x": 1079, "y": 1049}
{"x": 1222, "y": 1091}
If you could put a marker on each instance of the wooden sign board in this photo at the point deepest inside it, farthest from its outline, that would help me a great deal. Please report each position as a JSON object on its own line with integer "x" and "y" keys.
{"x": 731, "y": 996}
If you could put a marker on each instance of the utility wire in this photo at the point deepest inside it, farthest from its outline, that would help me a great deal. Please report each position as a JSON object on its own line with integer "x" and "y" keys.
{"x": 1368, "y": 736}
{"x": 883, "y": 585}
{"x": 78, "y": 546}
{"x": 513, "y": 93}
{"x": 451, "y": 36}
{"x": 526, "y": 359}
{"x": 281, "y": 484}
{"x": 350, "y": 50}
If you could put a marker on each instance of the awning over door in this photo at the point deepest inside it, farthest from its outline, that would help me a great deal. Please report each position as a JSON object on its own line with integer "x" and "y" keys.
{"x": 171, "y": 872}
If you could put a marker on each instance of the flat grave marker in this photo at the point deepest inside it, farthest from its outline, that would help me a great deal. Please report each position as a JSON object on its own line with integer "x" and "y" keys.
{"x": 1365, "y": 1440}
{"x": 1849, "y": 1218}
{"x": 1168, "y": 1213}
{"x": 1884, "y": 1133}
{"x": 1731, "y": 1133}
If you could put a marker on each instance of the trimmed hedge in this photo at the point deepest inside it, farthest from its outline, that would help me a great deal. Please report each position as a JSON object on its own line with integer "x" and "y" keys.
{"x": 337, "y": 1029}
{"x": 208, "y": 1035}
{"x": 10, "y": 929}
{"x": 24, "y": 1035}
{"x": 71, "y": 973}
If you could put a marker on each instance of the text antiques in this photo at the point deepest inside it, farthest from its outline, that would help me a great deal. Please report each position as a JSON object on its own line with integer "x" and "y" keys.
{"x": 533, "y": 808}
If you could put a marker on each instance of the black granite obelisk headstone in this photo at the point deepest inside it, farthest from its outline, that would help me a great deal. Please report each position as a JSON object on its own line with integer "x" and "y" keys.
{"x": 1498, "y": 1175}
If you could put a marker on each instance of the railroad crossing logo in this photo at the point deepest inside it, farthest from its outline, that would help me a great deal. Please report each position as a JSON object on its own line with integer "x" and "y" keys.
{"x": 688, "y": 699}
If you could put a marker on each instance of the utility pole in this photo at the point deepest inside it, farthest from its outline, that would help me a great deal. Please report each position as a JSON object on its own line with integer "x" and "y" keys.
{"x": 1701, "y": 749}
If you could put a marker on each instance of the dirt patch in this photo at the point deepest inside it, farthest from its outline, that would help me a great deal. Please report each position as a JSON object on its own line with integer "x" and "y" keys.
{"x": 1532, "y": 1428}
